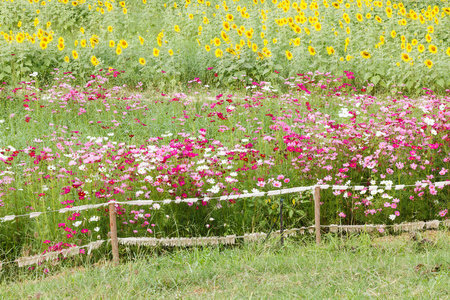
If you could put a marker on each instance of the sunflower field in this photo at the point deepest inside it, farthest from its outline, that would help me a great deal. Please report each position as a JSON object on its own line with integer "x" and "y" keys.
{"x": 164, "y": 43}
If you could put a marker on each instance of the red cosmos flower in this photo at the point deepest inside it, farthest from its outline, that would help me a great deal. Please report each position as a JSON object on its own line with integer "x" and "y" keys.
{"x": 215, "y": 75}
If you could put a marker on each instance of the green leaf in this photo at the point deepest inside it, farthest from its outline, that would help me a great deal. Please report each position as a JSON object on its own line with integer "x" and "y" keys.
{"x": 440, "y": 82}
{"x": 291, "y": 213}
{"x": 375, "y": 79}
{"x": 409, "y": 84}
{"x": 7, "y": 69}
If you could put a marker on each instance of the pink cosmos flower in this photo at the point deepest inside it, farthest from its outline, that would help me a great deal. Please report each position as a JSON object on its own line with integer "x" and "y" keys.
{"x": 276, "y": 184}
{"x": 443, "y": 171}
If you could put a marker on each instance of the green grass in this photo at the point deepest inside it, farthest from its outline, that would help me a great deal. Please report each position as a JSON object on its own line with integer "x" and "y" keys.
{"x": 357, "y": 267}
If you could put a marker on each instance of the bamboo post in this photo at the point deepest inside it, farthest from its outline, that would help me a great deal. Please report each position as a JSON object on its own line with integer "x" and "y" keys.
{"x": 113, "y": 226}
{"x": 317, "y": 213}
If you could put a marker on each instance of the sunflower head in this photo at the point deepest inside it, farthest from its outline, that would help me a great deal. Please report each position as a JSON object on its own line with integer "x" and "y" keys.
{"x": 365, "y": 54}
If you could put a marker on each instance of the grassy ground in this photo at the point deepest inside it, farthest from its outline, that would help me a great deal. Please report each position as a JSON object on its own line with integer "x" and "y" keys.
{"x": 360, "y": 267}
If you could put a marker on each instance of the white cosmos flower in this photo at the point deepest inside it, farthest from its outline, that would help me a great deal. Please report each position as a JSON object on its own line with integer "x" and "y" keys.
{"x": 428, "y": 121}
{"x": 94, "y": 219}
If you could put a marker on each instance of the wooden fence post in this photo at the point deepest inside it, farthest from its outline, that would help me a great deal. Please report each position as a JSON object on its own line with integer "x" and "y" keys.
{"x": 317, "y": 213}
{"x": 113, "y": 226}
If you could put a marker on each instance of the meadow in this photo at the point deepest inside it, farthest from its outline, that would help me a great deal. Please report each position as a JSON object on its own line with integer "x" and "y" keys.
{"x": 99, "y": 102}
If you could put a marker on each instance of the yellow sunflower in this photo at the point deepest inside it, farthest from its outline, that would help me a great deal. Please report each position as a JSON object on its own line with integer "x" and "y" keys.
{"x": 288, "y": 55}
{"x": 218, "y": 52}
{"x": 432, "y": 48}
{"x": 330, "y": 50}
{"x": 365, "y": 54}
{"x": 405, "y": 57}
{"x": 123, "y": 44}
{"x": 421, "y": 48}
{"x": 94, "y": 61}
